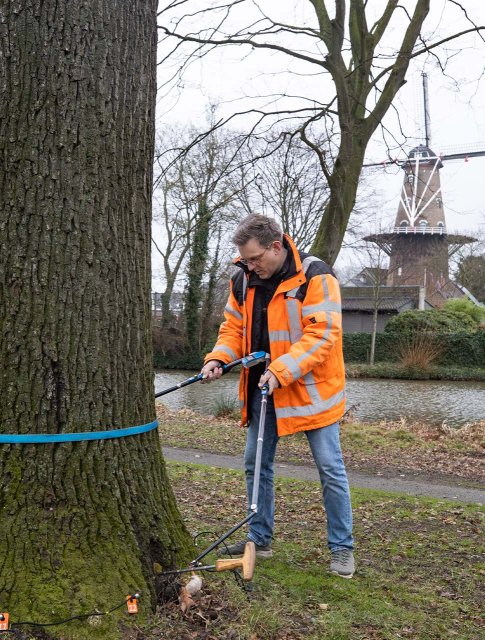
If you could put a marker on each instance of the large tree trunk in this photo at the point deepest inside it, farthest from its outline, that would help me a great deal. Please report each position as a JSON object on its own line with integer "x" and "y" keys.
{"x": 81, "y": 523}
{"x": 343, "y": 184}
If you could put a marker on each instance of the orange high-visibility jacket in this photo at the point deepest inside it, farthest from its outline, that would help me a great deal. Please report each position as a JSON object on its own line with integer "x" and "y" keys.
{"x": 305, "y": 334}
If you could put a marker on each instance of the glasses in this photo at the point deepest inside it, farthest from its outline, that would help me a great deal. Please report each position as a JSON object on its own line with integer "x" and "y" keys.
{"x": 256, "y": 259}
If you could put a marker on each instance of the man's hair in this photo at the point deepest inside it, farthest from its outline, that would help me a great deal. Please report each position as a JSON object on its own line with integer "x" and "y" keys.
{"x": 264, "y": 230}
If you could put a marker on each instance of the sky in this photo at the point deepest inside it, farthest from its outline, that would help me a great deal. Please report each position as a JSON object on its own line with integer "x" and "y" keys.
{"x": 456, "y": 100}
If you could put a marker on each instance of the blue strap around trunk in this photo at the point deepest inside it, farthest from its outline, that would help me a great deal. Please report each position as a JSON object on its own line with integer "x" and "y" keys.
{"x": 47, "y": 438}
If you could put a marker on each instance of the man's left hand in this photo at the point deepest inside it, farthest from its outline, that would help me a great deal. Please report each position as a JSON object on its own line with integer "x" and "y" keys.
{"x": 271, "y": 380}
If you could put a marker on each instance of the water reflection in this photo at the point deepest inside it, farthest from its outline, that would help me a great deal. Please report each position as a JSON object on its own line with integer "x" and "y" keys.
{"x": 431, "y": 401}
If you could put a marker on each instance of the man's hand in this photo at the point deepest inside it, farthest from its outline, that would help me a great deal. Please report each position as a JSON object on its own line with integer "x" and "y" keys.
{"x": 271, "y": 380}
{"x": 211, "y": 371}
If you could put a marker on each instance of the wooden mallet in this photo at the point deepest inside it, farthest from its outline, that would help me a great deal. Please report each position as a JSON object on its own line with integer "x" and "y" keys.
{"x": 247, "y": 563}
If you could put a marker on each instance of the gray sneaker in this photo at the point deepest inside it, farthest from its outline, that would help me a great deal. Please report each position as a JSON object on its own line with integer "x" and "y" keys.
{"x": 237, "y": 549}
{"x": 342, "y": 563}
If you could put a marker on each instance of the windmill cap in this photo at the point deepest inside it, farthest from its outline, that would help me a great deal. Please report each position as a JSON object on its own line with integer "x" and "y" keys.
{"x": 423, "y": 152}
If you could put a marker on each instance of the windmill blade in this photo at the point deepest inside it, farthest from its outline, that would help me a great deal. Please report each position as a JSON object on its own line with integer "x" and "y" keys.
{"x": 462, "y": 152}
{"x": 463, "y": 155}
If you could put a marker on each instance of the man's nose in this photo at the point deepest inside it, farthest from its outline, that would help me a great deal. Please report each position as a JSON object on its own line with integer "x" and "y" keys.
{"x": 251, "y": 266}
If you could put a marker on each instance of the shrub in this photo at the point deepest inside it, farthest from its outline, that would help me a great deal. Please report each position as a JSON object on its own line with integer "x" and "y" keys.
{"x": 170, "y": 350}
{"x": 357, "y": 347}
{"x": 431, "y": 320}
{"x": 465, "y": 305}
{"x": 418, "y": 351}
{"x": 227, "y": 406}
{"x": 466, "y": 349}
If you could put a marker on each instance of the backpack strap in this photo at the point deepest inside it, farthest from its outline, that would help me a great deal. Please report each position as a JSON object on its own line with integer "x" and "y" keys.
{"x": 306, "y": 262}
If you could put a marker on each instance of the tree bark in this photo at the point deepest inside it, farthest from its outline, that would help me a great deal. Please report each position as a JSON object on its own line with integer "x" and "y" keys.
{"x": 375, "y": 315}
{"x": 81, "y": 523}
{"x": 343, "y": 184}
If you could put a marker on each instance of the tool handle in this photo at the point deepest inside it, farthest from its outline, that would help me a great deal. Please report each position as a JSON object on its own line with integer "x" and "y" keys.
{"x": 228, "y": 563}
{"x": 247, "y": 562}
{"x": 247, "y": 361}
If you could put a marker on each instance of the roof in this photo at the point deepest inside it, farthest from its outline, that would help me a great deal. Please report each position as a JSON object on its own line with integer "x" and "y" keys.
{"x": 367, "y": 304}
{"x": 368, "y": 277}
{"x": 424, "y": 153}
{"x": 391, "y": 299}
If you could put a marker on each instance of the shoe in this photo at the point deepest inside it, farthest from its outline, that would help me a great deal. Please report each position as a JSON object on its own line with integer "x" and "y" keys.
{"x": 237, "y": 549}
{"x": 342, "y": 563}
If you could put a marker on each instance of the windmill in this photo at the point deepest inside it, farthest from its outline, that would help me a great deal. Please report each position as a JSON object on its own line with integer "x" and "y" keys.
{"x": 419, "y": 246}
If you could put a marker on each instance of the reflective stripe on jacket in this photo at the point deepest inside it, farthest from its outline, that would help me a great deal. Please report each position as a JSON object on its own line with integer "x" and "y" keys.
{"x": 305, "y": 334}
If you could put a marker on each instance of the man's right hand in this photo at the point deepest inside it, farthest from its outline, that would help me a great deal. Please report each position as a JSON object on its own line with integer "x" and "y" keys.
{"x": 211, "y": 371}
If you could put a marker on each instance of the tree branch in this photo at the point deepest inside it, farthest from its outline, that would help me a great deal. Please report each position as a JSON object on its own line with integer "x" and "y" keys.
{"x": 246, "y": 41}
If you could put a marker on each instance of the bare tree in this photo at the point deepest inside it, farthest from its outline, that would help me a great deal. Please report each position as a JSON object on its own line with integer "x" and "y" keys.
{"x": 197, "y": 196}
{"x": 286, "y": 183}
{"x": 177, "y": 225}
{"x": 361, "y": 54}
{"x": 376, "y": 262}
{"x": 468, "y": 265}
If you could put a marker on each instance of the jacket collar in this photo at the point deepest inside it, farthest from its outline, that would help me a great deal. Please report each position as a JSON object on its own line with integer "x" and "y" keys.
{"x": 296, "y": 277}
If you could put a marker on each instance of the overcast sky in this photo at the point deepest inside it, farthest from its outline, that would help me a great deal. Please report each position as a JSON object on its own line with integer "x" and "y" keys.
{"x": 457, "y": 109}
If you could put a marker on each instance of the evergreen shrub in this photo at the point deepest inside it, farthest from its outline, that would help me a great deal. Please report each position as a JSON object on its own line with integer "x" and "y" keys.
{"x": 465, "y": 305}
{"x": 432, "y": 320}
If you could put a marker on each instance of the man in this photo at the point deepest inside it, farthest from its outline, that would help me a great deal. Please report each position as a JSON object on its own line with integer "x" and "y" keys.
{"x": 287, "y": 303}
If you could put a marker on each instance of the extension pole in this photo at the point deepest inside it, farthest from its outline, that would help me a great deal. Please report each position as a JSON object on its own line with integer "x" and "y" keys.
{"x": 257, "y": 473}
{"x": 220, "y": 540}
{"x": 259, "y": 449}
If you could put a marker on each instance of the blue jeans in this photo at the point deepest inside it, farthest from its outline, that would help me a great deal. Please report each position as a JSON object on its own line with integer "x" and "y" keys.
{"x": 325, "y": 447}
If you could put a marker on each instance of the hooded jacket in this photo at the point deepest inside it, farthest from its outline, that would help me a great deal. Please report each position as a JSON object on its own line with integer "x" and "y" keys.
{"x": 305, "y": 335}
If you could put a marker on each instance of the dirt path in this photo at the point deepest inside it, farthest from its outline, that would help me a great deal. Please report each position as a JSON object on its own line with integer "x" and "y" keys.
{"x": 410, "y": 486}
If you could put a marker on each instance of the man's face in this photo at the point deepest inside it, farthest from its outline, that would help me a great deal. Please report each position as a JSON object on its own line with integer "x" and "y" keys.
{"x": 264, "y": 260}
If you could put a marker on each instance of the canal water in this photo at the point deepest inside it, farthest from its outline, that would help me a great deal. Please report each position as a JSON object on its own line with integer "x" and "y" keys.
{"x": 373, "y": 399}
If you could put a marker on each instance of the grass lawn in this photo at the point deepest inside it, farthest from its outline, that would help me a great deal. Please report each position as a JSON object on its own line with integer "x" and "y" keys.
{"x": 385, "y": 447}
{"x": 420, "y": 568}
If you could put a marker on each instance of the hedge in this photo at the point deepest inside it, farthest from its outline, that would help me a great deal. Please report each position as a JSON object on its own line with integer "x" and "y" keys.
{"x": 438, "y": 320}
{"x": 460, "y": 349}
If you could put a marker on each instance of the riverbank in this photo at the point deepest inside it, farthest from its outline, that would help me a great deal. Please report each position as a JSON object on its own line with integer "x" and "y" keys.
{"x": 399, "y": 448}
{"x": 391, "y": 370}
{"x": 394, "y": 371}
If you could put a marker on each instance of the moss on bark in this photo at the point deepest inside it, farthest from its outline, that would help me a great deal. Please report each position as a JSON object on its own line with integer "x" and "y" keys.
{"x": 85, "y": 540}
